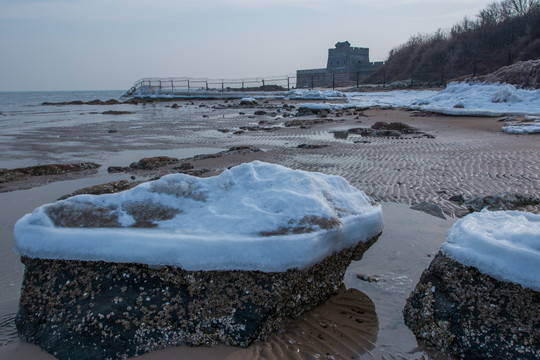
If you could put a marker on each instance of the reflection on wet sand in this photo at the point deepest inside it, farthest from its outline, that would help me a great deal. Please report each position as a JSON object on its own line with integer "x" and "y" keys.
{"x": 344, "y": 326}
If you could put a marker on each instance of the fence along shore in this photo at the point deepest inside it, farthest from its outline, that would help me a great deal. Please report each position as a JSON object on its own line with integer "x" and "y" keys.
{"x": 188, "y": 86}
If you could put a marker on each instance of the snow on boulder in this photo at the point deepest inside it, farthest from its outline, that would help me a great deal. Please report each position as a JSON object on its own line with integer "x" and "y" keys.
{"x": 480, "y": 295}
{"x": 255, "y": 216}
{"x": 502, "y": 244}
{"x": 248, "y": 101}
{"x": 187, "y": 261}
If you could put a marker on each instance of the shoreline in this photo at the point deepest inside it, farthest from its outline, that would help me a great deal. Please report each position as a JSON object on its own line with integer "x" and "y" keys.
{"x": 468, "y": 156}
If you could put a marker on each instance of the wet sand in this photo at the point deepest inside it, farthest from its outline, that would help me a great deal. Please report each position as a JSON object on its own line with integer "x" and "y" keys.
{"x": 468, "y": 156}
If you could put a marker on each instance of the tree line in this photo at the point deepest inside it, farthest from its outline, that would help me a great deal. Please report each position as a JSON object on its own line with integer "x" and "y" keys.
{"x": 501, "y": 34}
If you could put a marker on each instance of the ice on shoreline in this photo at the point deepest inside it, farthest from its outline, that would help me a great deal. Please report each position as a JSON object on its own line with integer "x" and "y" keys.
{"x": 529, "y": 126}
{"x": 502, "y": 244}
{"x": 255, "y": 216}
{"x": 463, "y": 99}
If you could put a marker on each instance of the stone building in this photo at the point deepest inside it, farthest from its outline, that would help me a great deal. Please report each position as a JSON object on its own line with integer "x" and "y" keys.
{"x": 346, "y": 66}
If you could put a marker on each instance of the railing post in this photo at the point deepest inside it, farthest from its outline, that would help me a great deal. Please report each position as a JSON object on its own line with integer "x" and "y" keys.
{"x": 333, "y": 81}
{"x": 263, "y": 85}
{"x": 188, "y": 88}
{"x": 288, "y": 84}
{"x": 207, "y": 86}
{"x": 311, "y": 81}
{"x": 222, "y": 86}
{"x": 242, "y": 86}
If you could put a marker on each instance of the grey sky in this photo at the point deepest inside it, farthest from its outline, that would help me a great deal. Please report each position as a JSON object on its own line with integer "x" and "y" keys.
{"x": 109, "y": 44}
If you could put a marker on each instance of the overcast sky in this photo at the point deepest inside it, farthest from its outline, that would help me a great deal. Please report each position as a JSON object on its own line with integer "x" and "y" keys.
{"x": 109, "y": 44}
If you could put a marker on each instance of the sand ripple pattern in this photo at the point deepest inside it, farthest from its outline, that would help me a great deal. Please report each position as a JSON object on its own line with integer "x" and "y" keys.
{"x": 428, "y": 170}
{"x": 471, "y": 161}
{"x": 8, "y": 332}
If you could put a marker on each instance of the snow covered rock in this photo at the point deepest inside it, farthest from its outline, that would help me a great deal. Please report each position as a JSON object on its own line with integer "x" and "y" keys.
{"x": 185, "y": 260}
{"x": 479, "y": 297}
{"x": 248, "y": 101}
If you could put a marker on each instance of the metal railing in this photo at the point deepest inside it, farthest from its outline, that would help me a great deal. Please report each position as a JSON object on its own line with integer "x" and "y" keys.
{"x": 186, "y": 85}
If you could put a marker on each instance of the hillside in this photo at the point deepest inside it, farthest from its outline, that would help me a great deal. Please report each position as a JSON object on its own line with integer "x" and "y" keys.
{"x": 502, "y": 34}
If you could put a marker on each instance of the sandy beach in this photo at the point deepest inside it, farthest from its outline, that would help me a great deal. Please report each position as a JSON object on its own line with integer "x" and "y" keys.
{"x": 452, "y": 155}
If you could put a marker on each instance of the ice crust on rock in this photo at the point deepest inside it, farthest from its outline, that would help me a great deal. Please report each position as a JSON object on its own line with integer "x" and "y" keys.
{"x": 502, "y": 244}
{"x": 255, "y": 216}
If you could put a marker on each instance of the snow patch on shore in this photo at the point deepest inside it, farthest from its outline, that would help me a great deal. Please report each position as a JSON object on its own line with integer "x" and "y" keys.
{"x": 315, "y": 94}
{"x": 502, "y": 244}
{"x": 255, "y": 216}
{"x": 465, "y": 99}
{"x": 458, "y": 99}
{"x": 529, "y": 126}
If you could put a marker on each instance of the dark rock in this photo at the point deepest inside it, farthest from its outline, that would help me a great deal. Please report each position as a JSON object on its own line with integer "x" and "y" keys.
{"x": 521, "y": 202}
{"x": 7, "y": 175}
{"x": 108, "y": 188}
{"x": 87, "y": 310}
{"x": 379, "y": 125}
{"x": 368, "y": 278}
{"x": 259, "y": 128}
{"x": 306, "y": 123}
{"x": 260, "y": 112}
{"x": 375, "y": 133}
{"x": 311, "y": 146}
{"x": 184, "y": 166}
{"x": 175, "y": 106}
{"x": 459, "y": 310}
{"x": 116, "y": 112}
{"x": 384, "y": 129}
{"x": 459, "y": 199}
{"x": 80, "y": 102}
{"x": 96, "y": 102}
{"x": 235, "y": 150}
{"x": 307, "y": 112}
{"x": 153, "y": 162}
{"x": 117, "y": 169}
{"x": 248, "y": 102}
{"x": 341, "y": 134}
{"x": 430, "y": 209}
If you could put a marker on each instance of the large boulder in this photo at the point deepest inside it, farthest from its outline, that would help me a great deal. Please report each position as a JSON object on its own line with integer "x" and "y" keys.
{"x": 187, "y": 261}
{"x": 523, "y": 74}
{"x": 479, "y": 298}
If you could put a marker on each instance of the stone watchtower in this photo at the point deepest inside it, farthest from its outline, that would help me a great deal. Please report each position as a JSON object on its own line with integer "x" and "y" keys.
{"x": 346, "y": 66}
{"x": 345, "y": 58}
